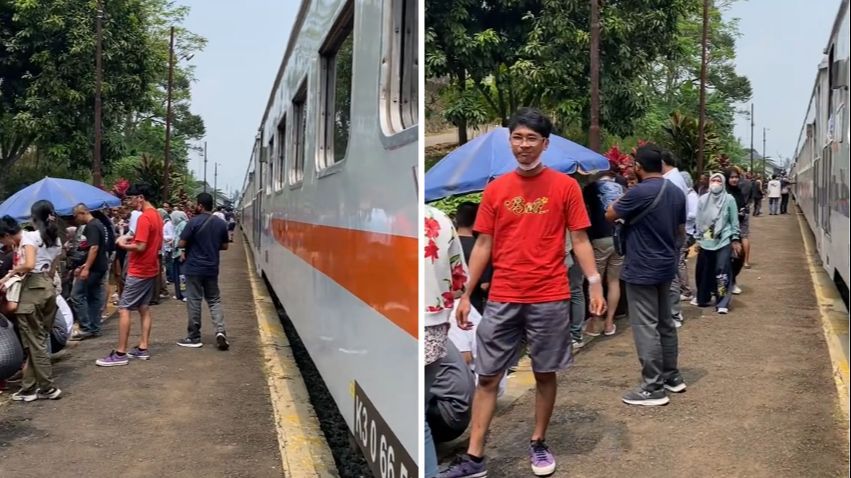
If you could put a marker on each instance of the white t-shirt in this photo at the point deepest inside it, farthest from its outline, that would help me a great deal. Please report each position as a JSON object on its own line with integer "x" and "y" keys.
{"x": 774, "y": 188}
{"x": 44, "y": 256}
{"x": 134, "y": 218}
{"x": 220, "y": 215}
{"x": 64, "y": 313}
{"x": 675, "y": 177}
{"x": 465, "y": 340}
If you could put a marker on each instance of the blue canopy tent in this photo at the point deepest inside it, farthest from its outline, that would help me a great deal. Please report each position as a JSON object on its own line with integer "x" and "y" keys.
{"x": 472, "y": 166}
{"x": 65, "y": 194}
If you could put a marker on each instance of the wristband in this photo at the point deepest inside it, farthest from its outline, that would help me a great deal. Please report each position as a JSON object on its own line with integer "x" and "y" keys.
{"x": 594, "y": 279}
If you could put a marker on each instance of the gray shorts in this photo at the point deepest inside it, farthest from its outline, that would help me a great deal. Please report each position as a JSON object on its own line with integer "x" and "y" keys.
{"x": 744, "y": 226}
{"x": 545, "y": 326}
{"x": 138, "y": 292}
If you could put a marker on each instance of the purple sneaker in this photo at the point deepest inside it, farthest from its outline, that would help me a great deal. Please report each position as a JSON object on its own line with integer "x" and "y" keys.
{"x": 543, "y": 461}
{"x": 112, "y": 360}
{"x": 138, "y": 353}
{"x": 464, "y": 467}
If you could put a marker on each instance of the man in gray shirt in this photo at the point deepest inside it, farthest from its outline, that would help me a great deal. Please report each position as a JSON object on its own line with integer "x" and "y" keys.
{"x": 448, "y": 411}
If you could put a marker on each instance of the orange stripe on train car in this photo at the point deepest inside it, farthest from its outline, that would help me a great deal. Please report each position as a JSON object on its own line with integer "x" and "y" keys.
{"x": 380, "y": 269}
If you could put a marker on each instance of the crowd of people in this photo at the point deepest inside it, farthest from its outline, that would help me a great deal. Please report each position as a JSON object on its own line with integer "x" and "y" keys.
{"x": 542, "y": 263}
{"x": 58, "y": 272}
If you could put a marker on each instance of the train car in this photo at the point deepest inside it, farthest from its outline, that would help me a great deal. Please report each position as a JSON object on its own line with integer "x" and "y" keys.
{"x": 329, "y": 208}
{"x": 821, "y": 169}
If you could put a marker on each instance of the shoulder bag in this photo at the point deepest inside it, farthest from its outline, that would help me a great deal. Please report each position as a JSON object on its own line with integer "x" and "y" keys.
{"x": 619, "y": 230}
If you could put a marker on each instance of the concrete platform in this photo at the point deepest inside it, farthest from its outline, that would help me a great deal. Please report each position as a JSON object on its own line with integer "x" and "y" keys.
{"x": 762, "y": 398}
{"x": 185, "y": 412}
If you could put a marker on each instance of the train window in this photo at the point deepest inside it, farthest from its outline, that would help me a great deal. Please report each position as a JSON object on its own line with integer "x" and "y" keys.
{"x": 299, "y": 131}
{"x": 336, "y": 96}
{"x": 280, "y": 157}
{"x": 399, "y": 79}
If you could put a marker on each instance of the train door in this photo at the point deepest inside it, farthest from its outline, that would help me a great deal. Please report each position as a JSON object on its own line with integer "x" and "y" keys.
{"x": 816, "y": 191}
{"x": 258, "y": 208}
{"x": 824, "y": 180}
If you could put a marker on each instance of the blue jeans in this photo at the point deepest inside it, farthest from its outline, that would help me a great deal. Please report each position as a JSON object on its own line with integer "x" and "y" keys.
{"x": 169, "y": 265}
{"x": 175, "y": 278}
{"x": 430, "y": 464}
{"x": 577, "y": 300}
{"x": 87, "y": 298}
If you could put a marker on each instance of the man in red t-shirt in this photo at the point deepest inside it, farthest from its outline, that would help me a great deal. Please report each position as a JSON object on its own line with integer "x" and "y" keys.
{"x": 140, "y": 286}
{"x": 522, "y": 223}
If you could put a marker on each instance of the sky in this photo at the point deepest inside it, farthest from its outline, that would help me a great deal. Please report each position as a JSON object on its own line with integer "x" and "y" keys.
{"x": 234, "y": 76}
{"x": 779, "y": 51}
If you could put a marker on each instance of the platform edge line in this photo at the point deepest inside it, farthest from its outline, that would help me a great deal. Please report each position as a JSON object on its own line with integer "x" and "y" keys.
{"x": 838, "y": 362}
{"x": 302, "y": 445}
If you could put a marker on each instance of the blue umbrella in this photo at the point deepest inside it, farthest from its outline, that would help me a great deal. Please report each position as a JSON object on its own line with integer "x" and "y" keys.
{"x": 470, "y": 167}
{"x": 63, "y": 193}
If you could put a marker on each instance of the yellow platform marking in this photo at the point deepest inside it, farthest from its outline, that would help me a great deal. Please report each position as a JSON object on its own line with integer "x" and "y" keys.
{"x": 304, "y": 451}
{"x": 833, "y": 315}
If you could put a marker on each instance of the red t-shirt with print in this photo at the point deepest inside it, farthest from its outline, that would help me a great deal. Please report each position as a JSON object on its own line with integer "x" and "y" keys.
{"x": 528, "y": 218}
{"x": 149, "y": 229}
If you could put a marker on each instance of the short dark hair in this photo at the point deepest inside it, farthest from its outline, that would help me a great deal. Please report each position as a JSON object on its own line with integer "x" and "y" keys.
{"x": 9, "y": 226}
{"x": 532, "y": 119}
{"x": 141, "y": 189}
{"x": 205, "y": 200}
{"x": 465, "y": 214}
{"x": 649, "y": 157}
{"x": 669, "y": 159}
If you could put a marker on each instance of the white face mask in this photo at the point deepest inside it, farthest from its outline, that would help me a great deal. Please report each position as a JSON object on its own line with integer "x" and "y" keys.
{"x": 529, "y": 167}
{"x": 715, "y": 188}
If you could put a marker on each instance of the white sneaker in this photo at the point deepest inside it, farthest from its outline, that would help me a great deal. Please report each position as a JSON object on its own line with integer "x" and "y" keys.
{"x": 736, "y": 290}
{"x": 722, "y": 310}
{"x": 694, "y": 302}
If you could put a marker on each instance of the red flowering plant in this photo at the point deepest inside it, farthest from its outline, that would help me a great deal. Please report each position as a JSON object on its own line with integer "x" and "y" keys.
{"x": 120, "y": 187}
{"x": 619, "y": 161}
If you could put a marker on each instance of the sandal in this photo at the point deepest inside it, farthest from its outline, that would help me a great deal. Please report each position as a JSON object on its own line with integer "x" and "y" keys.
{"x": 611, "y": 332}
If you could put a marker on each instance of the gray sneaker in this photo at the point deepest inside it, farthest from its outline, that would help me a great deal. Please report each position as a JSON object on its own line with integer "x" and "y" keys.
{"x": 639, "y": 396}
{"x": 192, "y": 343}
{"x": 140, "y": 354}
{"x": 464, "y": 467}
{"x": 675, "y": 384}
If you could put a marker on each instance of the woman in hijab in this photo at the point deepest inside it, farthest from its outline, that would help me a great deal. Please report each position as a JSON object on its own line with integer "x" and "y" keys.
{"x": 165, "y": 253}
{"x": 179, "y": 220}
{"x": 717, "y": 234}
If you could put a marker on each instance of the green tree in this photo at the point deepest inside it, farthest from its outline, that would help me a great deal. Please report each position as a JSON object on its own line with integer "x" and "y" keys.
{"x": 47, "y": 52}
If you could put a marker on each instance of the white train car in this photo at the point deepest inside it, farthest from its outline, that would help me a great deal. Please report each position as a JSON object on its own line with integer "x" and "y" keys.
{"x": 821, "y": 168}
{"x": 329, "y": 207}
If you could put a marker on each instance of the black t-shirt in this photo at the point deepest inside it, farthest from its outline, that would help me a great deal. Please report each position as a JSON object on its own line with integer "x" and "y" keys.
{"x": 478, "y": 296}
{"x": 600, "y": 227}
{"x": 109, "y": 228}
{"x": 6, "y": 260}
{"x": 202, "y": 248}
{"x": 94, "y": 234}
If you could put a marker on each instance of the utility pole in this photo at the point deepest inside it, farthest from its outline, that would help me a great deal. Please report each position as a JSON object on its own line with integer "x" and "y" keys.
{"x": 205, "y": 166}
{"x": 594, "y": 130}
{"x": 763, "y": 151}
{"x": 97, "y": 175}
{"x": 701, "y": 134}
{"x": 215, "y": 183}
{"x": 752, "y": 139}
{"x": 167, "y": 161}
